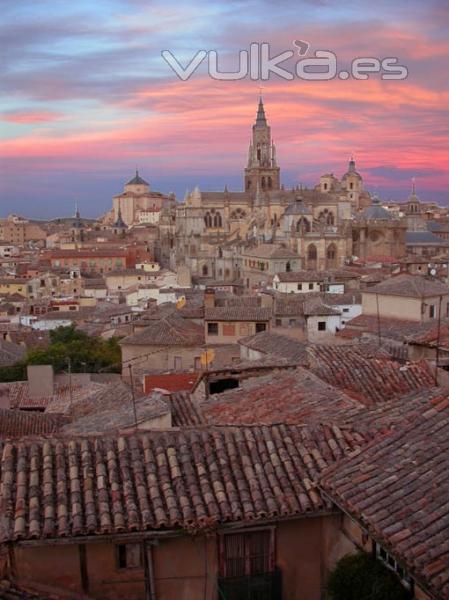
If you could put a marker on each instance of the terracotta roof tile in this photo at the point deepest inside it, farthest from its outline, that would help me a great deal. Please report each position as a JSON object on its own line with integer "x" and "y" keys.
{"x": 402, "y": 498}
{"x": 178, "y": 479}
{"x": 238, "y": 313}
{"x": 18, "y": 423}
{"x": 274, "y": 344}
{"x": 367, "y": 374}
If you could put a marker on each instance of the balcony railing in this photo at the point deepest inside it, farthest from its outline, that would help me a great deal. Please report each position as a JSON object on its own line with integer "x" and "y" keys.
{"x": 266, "y": 586}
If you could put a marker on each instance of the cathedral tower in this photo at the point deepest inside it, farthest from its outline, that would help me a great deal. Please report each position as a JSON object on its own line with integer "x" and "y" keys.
{"x": 262, "y": 170}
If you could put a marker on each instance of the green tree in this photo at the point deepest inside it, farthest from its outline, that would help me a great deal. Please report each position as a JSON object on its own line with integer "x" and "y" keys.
{"x": 362, "y": 577}
{"x": 89, "y": 354}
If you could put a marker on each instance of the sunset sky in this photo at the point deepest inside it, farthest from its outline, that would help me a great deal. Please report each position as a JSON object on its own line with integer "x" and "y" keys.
{"x": 87, "y": 97}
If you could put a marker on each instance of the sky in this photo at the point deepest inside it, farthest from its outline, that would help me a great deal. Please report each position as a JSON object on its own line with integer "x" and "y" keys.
{"x": 86, "y": 97}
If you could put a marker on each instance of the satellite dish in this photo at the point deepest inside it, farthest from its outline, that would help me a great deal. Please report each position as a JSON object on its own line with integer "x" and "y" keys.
{"x": 433, "y": 271}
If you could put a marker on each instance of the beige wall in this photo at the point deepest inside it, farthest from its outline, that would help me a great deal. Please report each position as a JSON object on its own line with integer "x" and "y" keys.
{"x": 398, "y": 307}
{"x": 157, "y": 358}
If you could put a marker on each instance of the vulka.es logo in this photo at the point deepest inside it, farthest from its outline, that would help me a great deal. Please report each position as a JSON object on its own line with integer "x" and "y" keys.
{"x": 258, "y": 64}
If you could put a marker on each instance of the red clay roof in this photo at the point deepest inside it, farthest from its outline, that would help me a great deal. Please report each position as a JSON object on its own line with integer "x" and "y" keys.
{"x": 191, "y": 479}
{"x": 366, "y": 374}
{"x": 398, "y": 488}
{"x": 172, "y": 382}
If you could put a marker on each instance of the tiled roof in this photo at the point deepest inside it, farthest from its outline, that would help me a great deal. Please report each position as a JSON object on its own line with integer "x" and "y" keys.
{"x": 10, "y": 353}
{"x": 18, "y": 423}
{"x": 19, "y": 397}
{"x": 185, "y": 412}
{"x": 409, "y": 286}
{"x": 291, "y": 397}
{"x": 238, "y": 313}
{"x": 291, "y": 306}
{"x": 368, "y": 377}
{"x": 274, "y": 344}
{"x": 171, "y": 382}
{"x": 169, "y": 331}
{"x": 315, "y": 307}
{"x": 395, "y": 329}
{"x": 398, "y": 488}
{"x": 426, "y": 238}
{"x": 118, "y": 418}
{"x": 300, "y": 276}
{"x": 191, "y": 479}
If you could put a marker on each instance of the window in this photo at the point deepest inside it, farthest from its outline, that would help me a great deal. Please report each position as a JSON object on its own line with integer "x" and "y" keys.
{"x": 292, "y": 322}
{"x": 178, "y": 363}
{"x": 321, "y": 325}
{"x": 391, "y": 564}
{"x": 346, "y": 310}
{"x": 197, "y": 363}
{"x": 279, "y": 322}
{"x": 260, "y": 327}
{"x": 129, "y": 556}
{"x": 299, "y": 286}
{"x": 310, "y": 286}
{"x": 212, "y": 328}
{"x": 431, "y": 311}
{"x": 249, "y": 553}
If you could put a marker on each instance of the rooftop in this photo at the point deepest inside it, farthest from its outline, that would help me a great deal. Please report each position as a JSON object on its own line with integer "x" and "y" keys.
{"x": 171, "y": 330}
{"x": 196, "y": 478}
{"x": 409, "y": 286}
{"x": 275, "y": 344}
{"x": 366, "y": 373}
{"x": 238, "y": 313}
{"x": 398, "y": 487}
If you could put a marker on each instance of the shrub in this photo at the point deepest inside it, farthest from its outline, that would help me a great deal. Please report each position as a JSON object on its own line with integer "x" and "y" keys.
{"x": 362, "y": 577}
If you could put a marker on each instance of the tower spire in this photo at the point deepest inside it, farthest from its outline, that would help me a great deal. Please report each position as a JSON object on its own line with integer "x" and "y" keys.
{"x": 413, "y": 186}
{"x": 261, "y": 118}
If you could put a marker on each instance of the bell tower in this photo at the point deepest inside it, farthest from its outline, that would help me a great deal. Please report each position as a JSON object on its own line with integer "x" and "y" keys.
{"x": 262, "y": 170}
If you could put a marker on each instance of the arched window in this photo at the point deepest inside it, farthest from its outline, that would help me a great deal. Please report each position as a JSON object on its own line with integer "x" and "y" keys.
{"x": 312, "y": 257}
{"x": 330, "y": 219}
{"x": 217, "y": 220}
{"x": 288, "y": 267}
{"x": 331, "y": 256}
{"x": 270, "y": 183}
{"x": 351, "y": 185}
{"x": 263, "y": 183}
{"x": 220, "y": 253}
{"x": 227, "y": 273}
{"x": 205, "y": 270}
{"x": 258, "y": 154}
{"x": 208, "y": 220}
{"x": 248, "y": 184}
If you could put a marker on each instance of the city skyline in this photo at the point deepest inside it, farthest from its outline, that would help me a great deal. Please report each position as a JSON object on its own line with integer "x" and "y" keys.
{"x": 88, "y": 98}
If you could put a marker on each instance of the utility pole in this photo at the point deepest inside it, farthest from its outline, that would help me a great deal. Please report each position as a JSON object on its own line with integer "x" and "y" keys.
{"x": 378, "y": 321}
{"x": 437, "y": 353}
{"x": 133, "y": 396}
{"x": 69, "y": 364}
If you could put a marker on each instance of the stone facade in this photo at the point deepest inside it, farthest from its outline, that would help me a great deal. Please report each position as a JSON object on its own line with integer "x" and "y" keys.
{"x": 212, "y": 232}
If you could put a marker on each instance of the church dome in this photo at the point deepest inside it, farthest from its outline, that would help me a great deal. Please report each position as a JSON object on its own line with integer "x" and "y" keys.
{"x": 137, "y": 180}
{"x": 376, "y": 211}
{"x": 351, "y": 170}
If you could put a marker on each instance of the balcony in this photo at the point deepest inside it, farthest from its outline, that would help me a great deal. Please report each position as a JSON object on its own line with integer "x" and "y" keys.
{"x": 265, "y": 586}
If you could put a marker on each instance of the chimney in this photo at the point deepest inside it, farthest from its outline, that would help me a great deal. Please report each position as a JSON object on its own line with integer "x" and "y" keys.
{"x": 40, "y": 381}
{"x": 209, "y": 298}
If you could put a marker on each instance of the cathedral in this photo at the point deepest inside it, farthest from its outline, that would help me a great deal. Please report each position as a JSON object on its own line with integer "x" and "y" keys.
{"x": 324, "y": 226}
